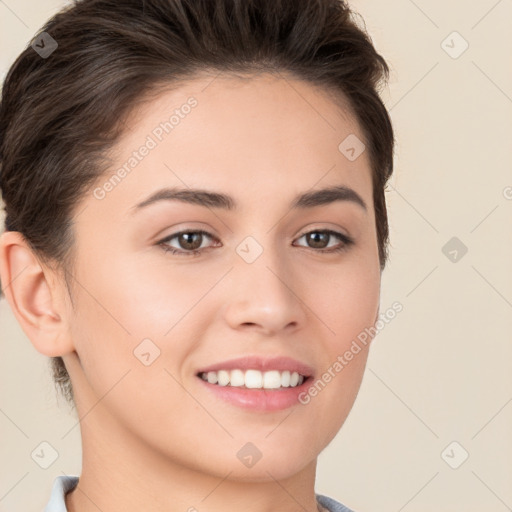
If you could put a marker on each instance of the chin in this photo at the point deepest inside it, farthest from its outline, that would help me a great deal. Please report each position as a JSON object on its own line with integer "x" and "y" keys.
{"x": 276, "y": 465}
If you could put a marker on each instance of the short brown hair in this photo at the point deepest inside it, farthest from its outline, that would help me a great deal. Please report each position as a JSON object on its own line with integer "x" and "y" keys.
{"x": 59, "y": 114}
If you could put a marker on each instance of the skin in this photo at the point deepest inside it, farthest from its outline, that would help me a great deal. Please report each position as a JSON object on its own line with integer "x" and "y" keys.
{"x": 153, "y": 438}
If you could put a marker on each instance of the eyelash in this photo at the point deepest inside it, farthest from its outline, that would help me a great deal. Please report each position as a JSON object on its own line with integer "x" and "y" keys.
{"x": 346, "y": 242}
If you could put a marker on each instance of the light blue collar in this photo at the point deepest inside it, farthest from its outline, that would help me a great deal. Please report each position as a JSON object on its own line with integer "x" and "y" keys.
{"x": 64, "y": 484}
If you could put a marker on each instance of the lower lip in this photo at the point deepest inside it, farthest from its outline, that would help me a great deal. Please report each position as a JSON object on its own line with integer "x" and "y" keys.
{"x": 258, "y": 399}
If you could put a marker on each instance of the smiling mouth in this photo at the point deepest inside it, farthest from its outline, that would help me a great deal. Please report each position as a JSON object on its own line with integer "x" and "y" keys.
{"x": 254, "y": 379}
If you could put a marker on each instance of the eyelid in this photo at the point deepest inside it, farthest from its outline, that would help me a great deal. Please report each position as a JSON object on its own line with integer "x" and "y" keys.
{"x": 192, "y": 230}
{"x": 336, "y": 230}
{"x": 346, "y": 240}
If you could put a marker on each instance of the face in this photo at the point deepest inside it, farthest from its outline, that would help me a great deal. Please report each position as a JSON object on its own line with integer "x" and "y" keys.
{"x": 286, "y": 286}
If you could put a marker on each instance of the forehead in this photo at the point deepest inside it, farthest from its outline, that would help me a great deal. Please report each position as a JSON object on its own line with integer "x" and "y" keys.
{"x": 242, "y": 133}
{"x": 242, "y": 105}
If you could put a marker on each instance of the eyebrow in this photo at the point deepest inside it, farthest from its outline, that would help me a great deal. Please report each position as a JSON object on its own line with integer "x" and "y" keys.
{"x": 218, "y": 200}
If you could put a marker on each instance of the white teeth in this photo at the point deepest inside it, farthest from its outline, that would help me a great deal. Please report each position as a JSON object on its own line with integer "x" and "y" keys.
{"x": 237, "y": 378}
{"x": 254, "y": 379}
{"x": 272, "y": 380}
{"x": 222, "y": 378}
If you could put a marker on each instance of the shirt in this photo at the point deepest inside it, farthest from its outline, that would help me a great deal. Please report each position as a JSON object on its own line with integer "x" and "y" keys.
{"x": 64, "y": 484}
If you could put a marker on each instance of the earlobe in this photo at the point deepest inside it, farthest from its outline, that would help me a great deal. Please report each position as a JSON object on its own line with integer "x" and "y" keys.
{"x": 34, "y": 296}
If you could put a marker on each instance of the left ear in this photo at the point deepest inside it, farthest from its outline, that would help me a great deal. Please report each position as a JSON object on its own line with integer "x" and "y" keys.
{"x": 36, "y": 296}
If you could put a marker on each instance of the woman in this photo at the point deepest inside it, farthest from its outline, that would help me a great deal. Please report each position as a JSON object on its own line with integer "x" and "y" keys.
{"x": 195, "y": 233}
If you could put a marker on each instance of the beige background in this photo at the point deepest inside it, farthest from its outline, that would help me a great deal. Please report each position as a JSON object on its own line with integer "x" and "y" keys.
{"x": 441, "y": 371}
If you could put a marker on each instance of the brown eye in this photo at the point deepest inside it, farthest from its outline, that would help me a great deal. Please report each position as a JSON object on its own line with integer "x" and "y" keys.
{"x": 189, "y": 242}
{"x": 319, "y": 239}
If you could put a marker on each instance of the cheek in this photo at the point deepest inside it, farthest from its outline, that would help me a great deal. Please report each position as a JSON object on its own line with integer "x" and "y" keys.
{"x": 113, "y": 315}
{"x": 152, "y": 295}
{"x": 114, "y": 341}
{"x": 125, "y": 310}
{"x": 132, "y": 299}
{"x": 347, "y": 302}
{"x": 348, "y": 305}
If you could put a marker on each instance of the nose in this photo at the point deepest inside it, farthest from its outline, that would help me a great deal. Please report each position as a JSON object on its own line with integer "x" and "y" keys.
{"x": 265, "y": 296}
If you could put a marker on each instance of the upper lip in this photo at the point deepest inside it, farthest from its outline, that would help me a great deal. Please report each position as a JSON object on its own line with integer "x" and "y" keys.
{"x": 281, "y": 363}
